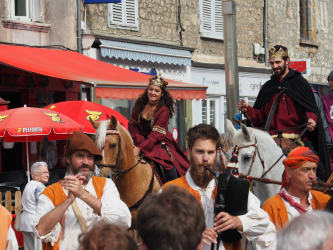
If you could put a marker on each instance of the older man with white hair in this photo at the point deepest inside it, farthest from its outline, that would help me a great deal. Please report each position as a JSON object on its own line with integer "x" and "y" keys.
{"x": 32, "y": 191}
{"x": 310, "y": 231}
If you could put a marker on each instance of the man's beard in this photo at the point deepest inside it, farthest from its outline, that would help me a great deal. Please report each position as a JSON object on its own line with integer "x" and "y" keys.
{"x": 74, "y": 171}
{"x": 282, "y": 70}
{"x": 201, "y": 176}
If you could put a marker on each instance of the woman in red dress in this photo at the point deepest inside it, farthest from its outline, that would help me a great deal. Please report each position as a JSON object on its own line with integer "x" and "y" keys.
{"x": 148, "y": 127}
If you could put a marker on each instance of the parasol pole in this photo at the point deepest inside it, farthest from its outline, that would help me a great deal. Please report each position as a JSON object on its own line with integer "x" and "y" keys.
{"x": 27, "y": 151}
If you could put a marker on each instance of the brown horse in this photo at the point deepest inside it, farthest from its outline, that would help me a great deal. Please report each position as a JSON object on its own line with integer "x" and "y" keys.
{"x": 132, "y": 176}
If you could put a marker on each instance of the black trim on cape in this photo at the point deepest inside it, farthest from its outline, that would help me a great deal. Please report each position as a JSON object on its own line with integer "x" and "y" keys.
{"x": 300, "y": 91}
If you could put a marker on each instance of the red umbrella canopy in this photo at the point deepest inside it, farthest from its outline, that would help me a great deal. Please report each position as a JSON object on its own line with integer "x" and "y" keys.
{"x": 81, "y": 111}
{"x": 32, "y": 124}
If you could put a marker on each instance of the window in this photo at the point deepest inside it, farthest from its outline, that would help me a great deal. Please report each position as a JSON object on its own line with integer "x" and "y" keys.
{"x": 211, "y": 19}
{"x": 209, "y": 112}
{"x": 26, "y": 10}
{"x": 307, "y": 20}
{"x": 124, "y": 15}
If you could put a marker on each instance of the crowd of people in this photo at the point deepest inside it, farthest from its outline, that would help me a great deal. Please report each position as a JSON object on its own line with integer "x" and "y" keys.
{"x": 85, "y": 212}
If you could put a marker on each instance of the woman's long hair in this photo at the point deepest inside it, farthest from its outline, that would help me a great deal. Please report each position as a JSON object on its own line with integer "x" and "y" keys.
{"x": 165, "y": 99}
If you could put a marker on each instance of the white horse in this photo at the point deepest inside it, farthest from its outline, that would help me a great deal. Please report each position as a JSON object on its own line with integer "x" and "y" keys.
{"x": 246, "y": 138}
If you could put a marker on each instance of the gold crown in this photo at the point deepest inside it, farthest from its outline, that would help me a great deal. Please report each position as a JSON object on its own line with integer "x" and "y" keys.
{"x": 277, "y": 53}
{"x": 158, "y": 81}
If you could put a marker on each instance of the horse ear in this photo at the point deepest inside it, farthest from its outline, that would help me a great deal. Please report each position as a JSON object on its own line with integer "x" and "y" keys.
{"x": 230, "y": 128}
{"x": 113, "y": 122}
{"x": 95, "y": 124}
{"x": 246, "y": 132}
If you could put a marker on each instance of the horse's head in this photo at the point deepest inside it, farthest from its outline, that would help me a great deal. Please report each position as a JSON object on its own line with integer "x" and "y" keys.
{"x": 248, "y": 159}
{"x": 111, "y": 138}
{"x": 253, "y": 146}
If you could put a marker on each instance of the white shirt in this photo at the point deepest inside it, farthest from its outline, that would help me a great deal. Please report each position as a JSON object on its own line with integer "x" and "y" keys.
{"x": 292, "y": 212}
{"x": 113, "y": 211}
{"x": 11, "y": 239}
{"x": 30, "y": 197}
{"x": 254, "y": 222}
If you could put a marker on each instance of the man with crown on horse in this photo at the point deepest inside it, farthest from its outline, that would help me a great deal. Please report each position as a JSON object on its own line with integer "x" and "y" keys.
{"x": 148, "y": 127}
{"x": 296, "y": 196}
{"x": 70, "y": 207}
{"x": 203, "y": 142}
{"x": 285, "y": 104}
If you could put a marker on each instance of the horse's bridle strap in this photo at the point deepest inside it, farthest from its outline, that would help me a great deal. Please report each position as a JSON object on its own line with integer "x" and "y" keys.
{"x": 256, "y": 149}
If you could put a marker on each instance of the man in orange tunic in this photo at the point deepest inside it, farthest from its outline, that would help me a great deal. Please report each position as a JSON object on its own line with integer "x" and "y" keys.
{"x": 296, "y": 196}
{"x": 203, "y": 141}
{"x": 69, "y": 207}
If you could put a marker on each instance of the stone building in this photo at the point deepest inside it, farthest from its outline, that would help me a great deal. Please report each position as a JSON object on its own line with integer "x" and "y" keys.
{"x": 196, "y": 27}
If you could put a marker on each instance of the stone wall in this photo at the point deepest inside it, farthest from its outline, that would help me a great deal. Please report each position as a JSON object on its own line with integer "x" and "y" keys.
{"x": 158, "y": 22}
{"x": 284, "y": 29}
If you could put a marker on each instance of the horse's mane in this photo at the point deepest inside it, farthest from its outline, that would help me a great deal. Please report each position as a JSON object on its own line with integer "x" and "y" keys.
{"x": 101, "y": 134}
{"x": 226, "y": 140}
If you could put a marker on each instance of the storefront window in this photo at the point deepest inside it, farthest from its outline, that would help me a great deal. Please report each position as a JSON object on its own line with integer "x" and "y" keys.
{"x": 121, "y": 106}
{"x": 321, "y": 89}
{"x": 173, "y": 120}
{"x": 212, "y": 112}
{"x": 44, "y": 100}
{"x": 204, "y": 111}
{"x": 209, "y": 112}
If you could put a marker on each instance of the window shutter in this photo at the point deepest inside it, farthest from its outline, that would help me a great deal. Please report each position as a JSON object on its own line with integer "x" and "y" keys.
{"x": 206, "y": 16}
{"x": 124, "y": 13}
{"x": 36, "y": 11}
{"x": 218, "y": 24}
{"x": 116, "y": 13}
{"x": 131, "y": 12}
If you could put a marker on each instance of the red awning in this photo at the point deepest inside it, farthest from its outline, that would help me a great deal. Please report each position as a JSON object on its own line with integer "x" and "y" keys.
{"x": 111, "y": 81}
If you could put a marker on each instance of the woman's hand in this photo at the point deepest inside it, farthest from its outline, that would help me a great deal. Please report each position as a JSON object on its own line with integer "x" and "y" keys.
{"x": 136, "y": 151}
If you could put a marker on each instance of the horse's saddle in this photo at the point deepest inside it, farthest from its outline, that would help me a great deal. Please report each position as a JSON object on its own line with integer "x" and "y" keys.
{"x": 285, "y": 140}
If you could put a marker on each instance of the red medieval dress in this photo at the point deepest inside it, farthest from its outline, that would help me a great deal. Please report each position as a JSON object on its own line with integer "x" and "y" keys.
{"x": 156, "y": 142}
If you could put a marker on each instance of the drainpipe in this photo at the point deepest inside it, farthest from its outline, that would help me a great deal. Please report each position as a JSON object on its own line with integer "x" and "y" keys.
{"x": 230, "y": 57}
{"x": 266, "y": 33}
{"x": 79, "y": 36}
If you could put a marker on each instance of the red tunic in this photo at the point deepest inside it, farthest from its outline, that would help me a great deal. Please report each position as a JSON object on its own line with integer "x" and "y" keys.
{"x": 288, "y": 114}
{"x": 149, "y": 138}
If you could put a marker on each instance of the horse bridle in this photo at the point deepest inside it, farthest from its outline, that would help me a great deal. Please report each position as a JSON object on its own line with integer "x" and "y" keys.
{"x": 256, "y": 151}
{"x": 261, "y": 160}
{"x": 116, "y": 167}
{"x": 221, "y": 150}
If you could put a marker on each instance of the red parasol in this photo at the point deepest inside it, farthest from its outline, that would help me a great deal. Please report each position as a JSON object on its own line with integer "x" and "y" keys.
{"x": 32, "y": 124}
{"x": 81, "y": 111}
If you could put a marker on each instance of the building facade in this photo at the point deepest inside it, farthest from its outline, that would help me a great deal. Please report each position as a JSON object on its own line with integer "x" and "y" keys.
{"x": 40, "y": 24}
{"x": 196, "y": 26}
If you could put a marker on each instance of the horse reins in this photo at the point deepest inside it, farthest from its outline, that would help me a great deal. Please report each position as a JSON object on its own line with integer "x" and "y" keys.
{"x": 221, "y": 150}
{"x": 285, "y": 151}
{"x": 255, "y": 145}
{"x": 118, "y": 173}
{"x": 279, "y": 131}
